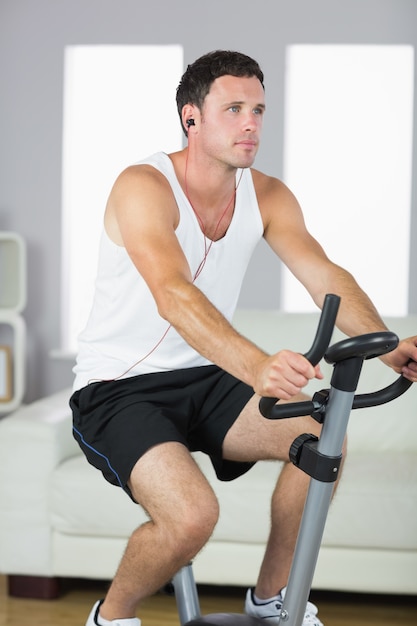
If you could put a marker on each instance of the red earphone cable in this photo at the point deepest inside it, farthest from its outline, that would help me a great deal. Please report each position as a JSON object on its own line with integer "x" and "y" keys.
{"x": 207, "y": 248}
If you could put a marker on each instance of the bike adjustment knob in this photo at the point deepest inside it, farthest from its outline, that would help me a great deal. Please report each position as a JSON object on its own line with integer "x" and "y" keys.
{"x": 297, "y": 446}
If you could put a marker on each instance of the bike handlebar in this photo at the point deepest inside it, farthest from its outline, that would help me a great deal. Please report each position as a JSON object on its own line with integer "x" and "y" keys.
{"x": 396, "y": 389}
{"x": 324, "y": 329}
{"x": 267, "y": 406}
{"x": 366, "y": 346}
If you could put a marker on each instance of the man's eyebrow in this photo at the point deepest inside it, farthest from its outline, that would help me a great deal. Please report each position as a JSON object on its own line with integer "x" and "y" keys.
{"x": 240, "y": 102}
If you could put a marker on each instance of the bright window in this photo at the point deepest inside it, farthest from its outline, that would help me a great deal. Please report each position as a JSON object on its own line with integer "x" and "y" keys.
{"x": 348, "y": 159}
{"x": 119, "y": 107}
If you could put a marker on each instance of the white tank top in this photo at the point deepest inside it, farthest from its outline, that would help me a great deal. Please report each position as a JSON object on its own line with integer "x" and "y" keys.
{"x": 124, "y": 326}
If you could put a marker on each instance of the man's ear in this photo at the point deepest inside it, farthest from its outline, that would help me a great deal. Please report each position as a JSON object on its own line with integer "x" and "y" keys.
{"x": 188, "y": 116}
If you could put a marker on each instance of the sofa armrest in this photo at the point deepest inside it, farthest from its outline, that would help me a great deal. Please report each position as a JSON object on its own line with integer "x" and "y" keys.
{"x": 33, "y": 441}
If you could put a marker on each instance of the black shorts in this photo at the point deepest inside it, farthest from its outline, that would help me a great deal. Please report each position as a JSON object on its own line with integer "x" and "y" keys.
{"x": 116, "y": 422}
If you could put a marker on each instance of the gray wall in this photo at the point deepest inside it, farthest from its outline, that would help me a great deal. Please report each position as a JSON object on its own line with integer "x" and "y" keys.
{"x": 33, "y": 35}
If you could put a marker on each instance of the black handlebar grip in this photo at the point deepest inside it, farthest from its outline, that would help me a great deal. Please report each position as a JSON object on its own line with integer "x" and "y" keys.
{"x": 324, "y": 330}
{"x": 266, "y": 405}
{"x": 396, "y": 389}
{"x": 315, "y": 354}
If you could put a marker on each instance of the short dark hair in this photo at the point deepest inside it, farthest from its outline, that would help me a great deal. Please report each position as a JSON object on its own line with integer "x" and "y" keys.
{"x": 200, "y": 75}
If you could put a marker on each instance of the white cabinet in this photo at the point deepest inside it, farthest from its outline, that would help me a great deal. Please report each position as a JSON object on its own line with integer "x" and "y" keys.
{"x": 13, "y": 290}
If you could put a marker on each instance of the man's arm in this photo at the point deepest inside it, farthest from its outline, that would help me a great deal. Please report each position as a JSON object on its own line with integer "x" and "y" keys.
{"x": 142, "y": 216}
{"x": 288, "y": 236}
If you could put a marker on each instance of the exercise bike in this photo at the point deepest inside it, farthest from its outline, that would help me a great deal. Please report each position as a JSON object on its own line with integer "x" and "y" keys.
{"x": 320, "y": 458}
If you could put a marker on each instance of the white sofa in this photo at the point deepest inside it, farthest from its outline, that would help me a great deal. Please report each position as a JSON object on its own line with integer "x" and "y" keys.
{"x": 59, "y": 518}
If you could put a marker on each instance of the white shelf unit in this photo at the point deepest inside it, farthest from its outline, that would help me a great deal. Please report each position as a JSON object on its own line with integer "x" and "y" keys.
{"x": 13, "y": 291}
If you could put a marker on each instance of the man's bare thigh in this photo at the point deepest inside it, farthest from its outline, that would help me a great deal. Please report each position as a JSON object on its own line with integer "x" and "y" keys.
{"x": 253, "y": 437}
{"x": 166, "y": 480}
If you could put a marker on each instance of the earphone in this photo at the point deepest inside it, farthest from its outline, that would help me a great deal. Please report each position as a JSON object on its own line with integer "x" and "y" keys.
{"x": 190, "y": 122}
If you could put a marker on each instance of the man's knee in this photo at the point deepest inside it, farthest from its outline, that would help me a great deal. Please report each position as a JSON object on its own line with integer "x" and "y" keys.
{"x": 196, "y": 523}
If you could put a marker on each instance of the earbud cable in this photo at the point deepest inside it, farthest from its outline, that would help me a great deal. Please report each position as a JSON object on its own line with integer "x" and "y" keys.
{"x": 207, "y": 248}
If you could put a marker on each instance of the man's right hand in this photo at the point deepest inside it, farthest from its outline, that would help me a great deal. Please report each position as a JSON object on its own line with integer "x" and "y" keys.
{"x": 284, "y": 374}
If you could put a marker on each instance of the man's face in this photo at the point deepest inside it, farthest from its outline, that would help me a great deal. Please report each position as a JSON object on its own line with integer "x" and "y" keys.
{"x": 231, "y": 120}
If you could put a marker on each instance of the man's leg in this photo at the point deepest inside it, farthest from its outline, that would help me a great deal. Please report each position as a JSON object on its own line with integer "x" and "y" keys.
{"x": 286, "y": 511}
{"x": 183, "y": 511}
{"x": 252, "y": 437}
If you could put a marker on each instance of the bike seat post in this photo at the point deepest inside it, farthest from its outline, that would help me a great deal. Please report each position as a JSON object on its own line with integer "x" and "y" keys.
{"x": 186, "y": 596}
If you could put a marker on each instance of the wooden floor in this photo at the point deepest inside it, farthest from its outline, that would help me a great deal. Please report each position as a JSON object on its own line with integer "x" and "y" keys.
{"x": 73, "y": 607}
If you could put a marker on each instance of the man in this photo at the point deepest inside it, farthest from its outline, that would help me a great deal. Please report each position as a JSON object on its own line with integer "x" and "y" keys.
{"x": 162, "y": 372}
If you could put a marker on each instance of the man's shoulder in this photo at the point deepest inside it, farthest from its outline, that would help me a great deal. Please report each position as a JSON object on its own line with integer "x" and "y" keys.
{"x": 143, "y": 173}
{"x": 267, "y": 186}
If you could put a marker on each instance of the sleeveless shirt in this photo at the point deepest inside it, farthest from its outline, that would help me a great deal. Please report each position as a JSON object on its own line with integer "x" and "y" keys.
{"x": 125, "y": 336}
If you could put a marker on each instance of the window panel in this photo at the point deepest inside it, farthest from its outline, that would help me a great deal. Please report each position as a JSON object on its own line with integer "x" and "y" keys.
{"x": 119, "y": 107}
{"x": 348, "y": 159}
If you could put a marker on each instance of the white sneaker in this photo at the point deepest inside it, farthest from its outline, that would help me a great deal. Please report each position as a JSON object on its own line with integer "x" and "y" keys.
{"x": 93, "y": 618}
{"x": 270, "y": 610}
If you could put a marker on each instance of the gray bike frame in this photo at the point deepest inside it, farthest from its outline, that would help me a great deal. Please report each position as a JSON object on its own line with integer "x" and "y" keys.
{"x": 315, "y": 512}
{"x": 311, "y": 529}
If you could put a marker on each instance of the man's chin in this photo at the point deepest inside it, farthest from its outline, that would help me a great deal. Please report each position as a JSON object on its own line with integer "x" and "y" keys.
{"x": 246, "y": 160}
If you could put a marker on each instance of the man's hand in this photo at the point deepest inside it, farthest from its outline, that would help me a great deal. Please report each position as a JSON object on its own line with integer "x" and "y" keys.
{"x": 283, "y": 375}
{"x": 403, "y": 359}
